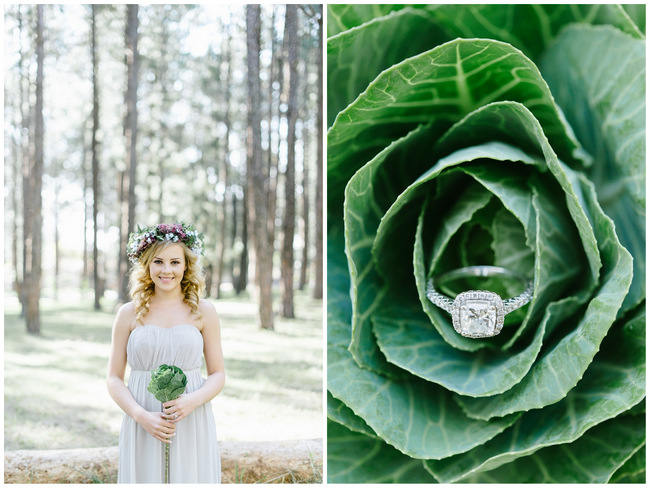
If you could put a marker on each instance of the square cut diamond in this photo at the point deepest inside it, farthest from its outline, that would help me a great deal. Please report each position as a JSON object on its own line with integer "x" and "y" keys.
{"x": 478, "y": 317}
{"x": 478, "y": 314}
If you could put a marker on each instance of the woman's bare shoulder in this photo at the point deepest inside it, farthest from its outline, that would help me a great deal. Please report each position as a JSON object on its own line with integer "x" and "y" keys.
{"x": 208, "y": 312}
{"x": 125, "y": 316}
{"x": 206, "y": 305}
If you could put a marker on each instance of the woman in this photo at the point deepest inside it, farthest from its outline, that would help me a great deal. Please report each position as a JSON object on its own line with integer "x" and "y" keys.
{"x": 166, "y": 323}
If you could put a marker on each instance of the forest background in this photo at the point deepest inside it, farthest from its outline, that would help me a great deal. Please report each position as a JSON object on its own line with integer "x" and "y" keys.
{"x": 118, "y": 115}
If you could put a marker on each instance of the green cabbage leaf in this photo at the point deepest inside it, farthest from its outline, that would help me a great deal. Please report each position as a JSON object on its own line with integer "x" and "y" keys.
{"x": 506, "y": 135}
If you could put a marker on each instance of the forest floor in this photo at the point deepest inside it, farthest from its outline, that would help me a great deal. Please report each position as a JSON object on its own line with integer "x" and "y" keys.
{"x": 55, "y": 387}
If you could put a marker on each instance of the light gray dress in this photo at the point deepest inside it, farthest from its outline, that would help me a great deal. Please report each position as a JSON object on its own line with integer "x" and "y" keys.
{"x": 194, "y": 452}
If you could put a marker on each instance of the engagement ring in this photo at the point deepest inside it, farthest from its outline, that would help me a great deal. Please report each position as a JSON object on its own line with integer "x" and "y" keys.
{"x": 478, "y": 313}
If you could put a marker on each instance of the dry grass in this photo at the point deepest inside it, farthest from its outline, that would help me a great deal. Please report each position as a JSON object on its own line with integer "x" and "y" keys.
{"x": 55, "y": 393}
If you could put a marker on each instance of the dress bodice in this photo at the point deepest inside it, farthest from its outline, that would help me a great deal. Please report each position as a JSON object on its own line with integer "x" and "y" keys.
{"x": 149, "y": 346}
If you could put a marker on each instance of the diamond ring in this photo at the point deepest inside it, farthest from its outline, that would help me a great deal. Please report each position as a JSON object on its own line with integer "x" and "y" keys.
{"x": 478, "y": 313}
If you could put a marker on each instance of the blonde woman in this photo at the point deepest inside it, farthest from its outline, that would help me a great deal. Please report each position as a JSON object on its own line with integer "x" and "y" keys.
{"x": 166, "y": 323}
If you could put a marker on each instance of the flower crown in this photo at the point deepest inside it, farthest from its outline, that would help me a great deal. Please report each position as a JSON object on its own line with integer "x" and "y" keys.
{"x": 144, "y": 237}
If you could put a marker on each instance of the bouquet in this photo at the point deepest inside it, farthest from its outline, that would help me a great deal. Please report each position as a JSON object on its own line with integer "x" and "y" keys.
{"x": 167, "y": 383}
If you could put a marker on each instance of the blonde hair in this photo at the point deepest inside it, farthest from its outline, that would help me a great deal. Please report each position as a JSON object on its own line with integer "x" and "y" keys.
{"x": 141, "y": 287}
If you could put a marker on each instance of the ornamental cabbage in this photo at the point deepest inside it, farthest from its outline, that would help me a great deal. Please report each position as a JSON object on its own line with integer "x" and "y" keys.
{"x": 167, "y": 383}
{"x": 507, "y": 135}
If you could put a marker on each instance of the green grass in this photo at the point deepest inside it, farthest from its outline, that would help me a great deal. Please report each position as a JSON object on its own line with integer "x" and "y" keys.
{"x": 55, "y": 389}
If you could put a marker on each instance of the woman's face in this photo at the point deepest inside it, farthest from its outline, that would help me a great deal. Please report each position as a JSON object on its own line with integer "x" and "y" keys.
{"x": 167, "y": 267}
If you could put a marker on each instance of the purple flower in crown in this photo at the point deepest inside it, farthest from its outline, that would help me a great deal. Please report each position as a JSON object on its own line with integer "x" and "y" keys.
{"x": 144, "y": 237}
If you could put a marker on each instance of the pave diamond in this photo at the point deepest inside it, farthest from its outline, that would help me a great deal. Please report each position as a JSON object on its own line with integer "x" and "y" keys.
{"x": 478, "y": 314}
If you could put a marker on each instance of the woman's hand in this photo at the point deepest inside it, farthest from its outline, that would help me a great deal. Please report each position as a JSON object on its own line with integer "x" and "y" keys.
{"x": 180, "y": 408}
{"x": 157, "y": 425}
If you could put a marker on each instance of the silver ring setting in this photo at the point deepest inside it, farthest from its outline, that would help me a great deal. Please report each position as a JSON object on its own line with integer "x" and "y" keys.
{"x": 478, "y": 313}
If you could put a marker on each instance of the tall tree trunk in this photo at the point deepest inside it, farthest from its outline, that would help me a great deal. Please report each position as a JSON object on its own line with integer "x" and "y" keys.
{"x": 130, "y": 132}
{"x": 234, "y": 270}
{"x": 242, "y": 279}
{"x": 232, "y": 239}
{"x": 256, "y": 182}
{"x": 163, "y": 79}
{"x": 208, "y": 278}
{"x": 304, "y": 260}
{"x": 19, "y": 164}
{"x": 318, "y": 259}
{"x": 84, "y": 169}
{"x": 27, "y": 190}
{"x": 33, "y": 292}
{"x": 161, "y": 185}
{"x": 289, "y": 219}
{"x": 224, "y": 172}
{"x": 269, "y": 132}
{"x": 272, "y": 161}
{"x": 15, "y": 179}
{"x": 122, "y": 212}
{"x": 57, "y": 244}
{"x": 98, "y": 285}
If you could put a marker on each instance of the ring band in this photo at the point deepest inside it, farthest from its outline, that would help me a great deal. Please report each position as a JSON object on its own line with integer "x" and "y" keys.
{"x": 478, "y": 313}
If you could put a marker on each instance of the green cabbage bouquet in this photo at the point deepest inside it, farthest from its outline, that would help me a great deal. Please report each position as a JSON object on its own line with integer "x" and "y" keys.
{"x": 167, "y": 383}
{"x": 507, "y": 135}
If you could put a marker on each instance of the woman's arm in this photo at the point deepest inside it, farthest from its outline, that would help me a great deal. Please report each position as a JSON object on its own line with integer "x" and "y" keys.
{"x": 185, "y": 404}
{"x": 117, "y": 364}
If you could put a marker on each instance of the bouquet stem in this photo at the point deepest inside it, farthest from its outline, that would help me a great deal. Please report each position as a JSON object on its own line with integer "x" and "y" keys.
{"x": 166, "y": 465}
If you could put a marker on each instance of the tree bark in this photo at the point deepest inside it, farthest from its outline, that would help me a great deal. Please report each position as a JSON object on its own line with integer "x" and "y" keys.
{"x": 57, "y": 245}
{"x": 257, "y": 211}
{"x": 27, "y": 189}
{"x": 272, "y": 160}
{"x": 224, "y": 171}
{"x": 232, "y": 239}
{"x": 242, "y": 280}
{"x": 15, "y": 179}
{"x": 35, "y": 174}
{"x": 84, "y": 169}
{"x": 289, "y": 218}
{"x": 162, "y": 79}
{"x": 208, "y": 278}
{"x": 19, "y": 164}
{"x": 127, "y": 210}
{"x": 304, "y": 260}
{"x": 318, "y": 258}
{"x": 98, "y": 286}
{"x": 234, "y": 270}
